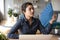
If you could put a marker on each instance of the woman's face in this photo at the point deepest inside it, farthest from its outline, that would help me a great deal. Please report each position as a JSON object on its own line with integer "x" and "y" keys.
{"x": 29, "y": 11}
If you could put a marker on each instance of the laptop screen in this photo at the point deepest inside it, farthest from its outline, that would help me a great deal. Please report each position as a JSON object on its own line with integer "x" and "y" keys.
{"x": 35, "y": 37}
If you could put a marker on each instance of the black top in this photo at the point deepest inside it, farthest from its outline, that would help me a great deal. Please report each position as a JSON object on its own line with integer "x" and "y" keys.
{"x": 25, "y": 28}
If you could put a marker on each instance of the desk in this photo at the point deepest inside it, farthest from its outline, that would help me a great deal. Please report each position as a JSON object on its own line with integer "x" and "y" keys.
{"x": 54, "y": 37}
{"x": 13, "y": 39}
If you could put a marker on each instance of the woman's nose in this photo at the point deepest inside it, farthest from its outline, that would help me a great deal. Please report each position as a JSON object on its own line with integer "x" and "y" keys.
{"x": 32, "y": 10}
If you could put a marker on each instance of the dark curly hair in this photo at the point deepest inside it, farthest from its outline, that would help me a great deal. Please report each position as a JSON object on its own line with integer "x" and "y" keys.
{"x": 24, "y": 6}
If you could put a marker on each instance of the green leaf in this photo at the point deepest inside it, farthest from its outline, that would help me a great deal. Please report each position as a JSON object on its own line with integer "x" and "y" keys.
{"x": 10, "y": 11}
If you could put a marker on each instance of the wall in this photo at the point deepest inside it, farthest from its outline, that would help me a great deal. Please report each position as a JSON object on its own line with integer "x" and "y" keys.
{"x": 56, "y": 5}
{"x": 2, "y": 6}
{"x": 8, "y": 4}
{"x": 11, "y": 3}
{"x": 41, "y": 4}
{"x": 1, "y": 10}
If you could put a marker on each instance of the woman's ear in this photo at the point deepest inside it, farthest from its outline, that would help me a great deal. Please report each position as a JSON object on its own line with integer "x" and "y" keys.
{"x": 23, "y": 12}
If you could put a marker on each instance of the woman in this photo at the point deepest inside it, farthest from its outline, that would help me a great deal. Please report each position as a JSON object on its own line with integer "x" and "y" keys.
{"x": 28, "y": 24}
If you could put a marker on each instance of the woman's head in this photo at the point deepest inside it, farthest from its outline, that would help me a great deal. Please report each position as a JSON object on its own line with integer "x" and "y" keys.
{"x": 28, "y": 9}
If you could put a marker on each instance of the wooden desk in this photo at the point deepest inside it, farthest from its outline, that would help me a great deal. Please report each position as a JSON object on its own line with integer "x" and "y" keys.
{"x": 13, "y": 39}
{"x": 54, "y": 37}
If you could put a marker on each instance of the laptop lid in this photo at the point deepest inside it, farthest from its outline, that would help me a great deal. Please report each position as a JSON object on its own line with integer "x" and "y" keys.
{"x": 35, "y": 37}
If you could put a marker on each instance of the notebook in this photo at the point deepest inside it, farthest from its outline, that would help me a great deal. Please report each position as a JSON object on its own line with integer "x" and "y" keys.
{"x": 35, "y": 37}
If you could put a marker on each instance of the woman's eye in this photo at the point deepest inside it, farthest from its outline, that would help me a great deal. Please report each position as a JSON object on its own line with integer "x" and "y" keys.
{"x": 29, "y": 8}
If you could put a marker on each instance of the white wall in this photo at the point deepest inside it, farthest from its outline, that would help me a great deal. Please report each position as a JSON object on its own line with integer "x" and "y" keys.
{"x": 41, "y": 4}
{"x": 1, "y": 10}
{"x": 8, "y": 4}
{"x": 56, "y": 5}
{"x": 2, "y": 6}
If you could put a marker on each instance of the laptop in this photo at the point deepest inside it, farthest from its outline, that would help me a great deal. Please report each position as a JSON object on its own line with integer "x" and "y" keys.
{"x": 35, "y": 37}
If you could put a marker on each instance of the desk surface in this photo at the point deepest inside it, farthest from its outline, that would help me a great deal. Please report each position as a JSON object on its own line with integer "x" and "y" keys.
{"x": 54, "y": 37}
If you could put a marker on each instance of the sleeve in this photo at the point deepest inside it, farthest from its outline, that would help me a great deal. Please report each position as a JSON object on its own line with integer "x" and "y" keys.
{"x": 45, "y": 30}
{"x": 15, "y": 28}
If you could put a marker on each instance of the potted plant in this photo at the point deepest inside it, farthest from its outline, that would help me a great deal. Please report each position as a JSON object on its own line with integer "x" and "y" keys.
{"x": 15, "y": 14}
{"x": 10, "y": 11}
{"x": 3, "y": 37}
{"x": 10, "y": 17}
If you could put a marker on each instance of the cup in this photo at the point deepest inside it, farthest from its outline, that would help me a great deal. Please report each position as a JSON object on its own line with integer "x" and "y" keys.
{"x": 58, "y": 38}
{"x": 56, "y": 31}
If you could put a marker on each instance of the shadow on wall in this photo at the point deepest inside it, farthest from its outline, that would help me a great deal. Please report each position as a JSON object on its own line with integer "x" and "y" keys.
{"x": 1, "y": 16}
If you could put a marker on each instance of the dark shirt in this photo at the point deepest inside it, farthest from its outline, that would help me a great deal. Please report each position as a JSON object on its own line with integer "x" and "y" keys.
{"x": 25, "y": 28}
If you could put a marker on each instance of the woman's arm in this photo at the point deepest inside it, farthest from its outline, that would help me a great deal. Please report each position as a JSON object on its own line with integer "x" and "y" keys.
{"x": 15, "y": 28}
{"x": 45, "y": 30}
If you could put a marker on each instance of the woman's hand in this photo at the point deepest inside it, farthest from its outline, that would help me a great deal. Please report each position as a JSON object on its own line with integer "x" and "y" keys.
{"x": 54, "y": 17}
